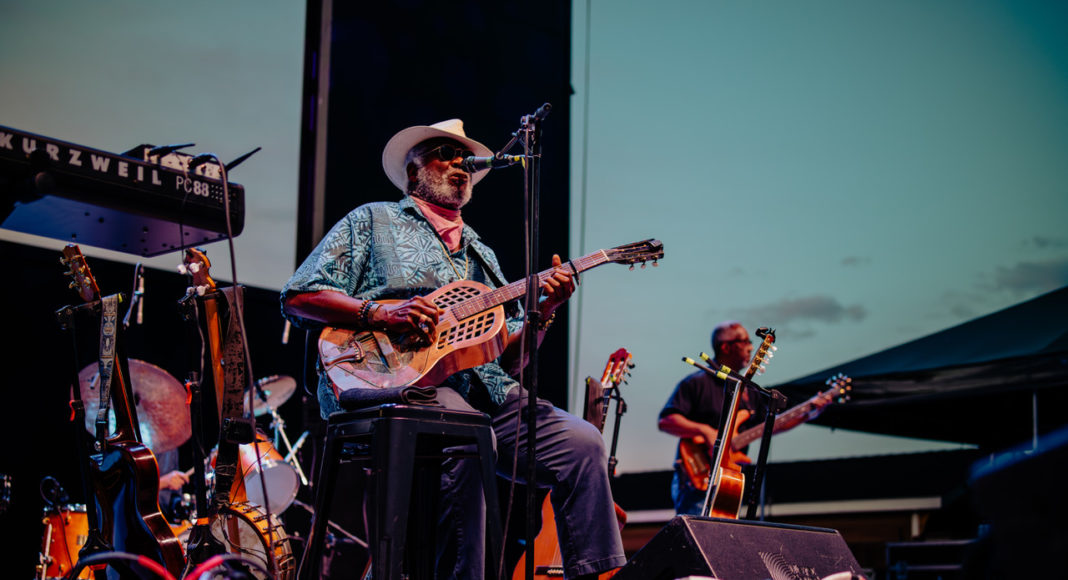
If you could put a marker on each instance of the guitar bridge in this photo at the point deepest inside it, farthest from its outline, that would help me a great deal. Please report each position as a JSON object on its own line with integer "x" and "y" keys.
{"x": 354, "y": 354}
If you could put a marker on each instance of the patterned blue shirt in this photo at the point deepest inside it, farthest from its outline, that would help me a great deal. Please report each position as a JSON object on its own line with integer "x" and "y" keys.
{"x": 386, "y": 250}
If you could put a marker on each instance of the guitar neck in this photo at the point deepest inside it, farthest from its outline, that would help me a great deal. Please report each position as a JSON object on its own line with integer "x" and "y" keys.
{"x": 518, "y": 289}
{"x": 785, "y": 418}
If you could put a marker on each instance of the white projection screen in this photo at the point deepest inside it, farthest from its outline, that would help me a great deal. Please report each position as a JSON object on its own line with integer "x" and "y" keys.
{"x": 117, "y": 74}
{"x": 853, "y": 174}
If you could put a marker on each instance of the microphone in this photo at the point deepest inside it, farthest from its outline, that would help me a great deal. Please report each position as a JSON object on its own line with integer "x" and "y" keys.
{"x": 473, "y": 164}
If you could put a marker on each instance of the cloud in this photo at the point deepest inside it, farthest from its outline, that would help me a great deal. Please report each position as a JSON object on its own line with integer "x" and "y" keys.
{"x": 1029, "y": 277}
{"x": 811, "y": 308}
{"x": 1044, "y": 242}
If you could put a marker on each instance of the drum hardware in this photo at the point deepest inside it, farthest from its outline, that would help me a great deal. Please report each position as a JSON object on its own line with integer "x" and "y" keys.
{"x": 269, "y": 393}
{"x": 278, "y": 426}
{"x": 332, "y": 525}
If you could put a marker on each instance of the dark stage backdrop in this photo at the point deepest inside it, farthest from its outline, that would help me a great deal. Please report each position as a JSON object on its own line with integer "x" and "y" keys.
{"x": 398, "y": 64}
{"x": 394, "y": 64}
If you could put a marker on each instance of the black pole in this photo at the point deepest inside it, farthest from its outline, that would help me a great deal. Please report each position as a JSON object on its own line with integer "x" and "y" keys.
{"x": 774, "y": 403}
{"x": 530, "y": 130}
{"x": 621, "y": 407}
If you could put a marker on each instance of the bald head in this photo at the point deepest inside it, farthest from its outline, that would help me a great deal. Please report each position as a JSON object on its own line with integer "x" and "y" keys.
{"x": 731, "y": 344}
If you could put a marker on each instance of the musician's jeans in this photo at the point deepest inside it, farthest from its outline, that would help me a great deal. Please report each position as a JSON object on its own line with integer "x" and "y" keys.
{"x": 688, "y": 499}
{"x": 571, "y": 460}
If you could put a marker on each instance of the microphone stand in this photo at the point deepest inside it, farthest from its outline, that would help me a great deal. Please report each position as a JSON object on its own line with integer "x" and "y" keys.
{"x": 530, "y": 134}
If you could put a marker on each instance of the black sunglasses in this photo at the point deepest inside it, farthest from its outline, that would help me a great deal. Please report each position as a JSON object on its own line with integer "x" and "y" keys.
{"x": 448, "y": 152}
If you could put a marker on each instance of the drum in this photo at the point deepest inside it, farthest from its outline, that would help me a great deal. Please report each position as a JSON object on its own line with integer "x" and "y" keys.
{"x": 65, "y": 531}
{"x": 281, "y": 478}
{"x": 246, "y": 531}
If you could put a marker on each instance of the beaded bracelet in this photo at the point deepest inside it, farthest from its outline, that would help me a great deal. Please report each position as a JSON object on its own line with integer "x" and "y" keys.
{"x": 365, "y": 311}
{"x": 545, "y": 323}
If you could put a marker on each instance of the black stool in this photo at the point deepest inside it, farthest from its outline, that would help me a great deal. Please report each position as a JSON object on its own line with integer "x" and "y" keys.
{"x": 392, "y": 438}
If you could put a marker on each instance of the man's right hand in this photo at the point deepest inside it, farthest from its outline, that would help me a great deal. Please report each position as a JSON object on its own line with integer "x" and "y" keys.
{"x": 419, "y": 315}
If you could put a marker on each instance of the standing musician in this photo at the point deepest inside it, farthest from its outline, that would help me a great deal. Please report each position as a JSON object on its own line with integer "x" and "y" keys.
{"x": 405, "y": 249}
{"x": 695, "y": 409}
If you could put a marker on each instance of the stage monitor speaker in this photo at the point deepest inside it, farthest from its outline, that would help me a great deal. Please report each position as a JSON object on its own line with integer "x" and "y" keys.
{"x": 691, "y": 546}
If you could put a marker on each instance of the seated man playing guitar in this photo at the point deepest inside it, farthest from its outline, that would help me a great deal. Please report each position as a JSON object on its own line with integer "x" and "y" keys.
{"x": 373, "y": 270}
{"x": 694, "y": 410}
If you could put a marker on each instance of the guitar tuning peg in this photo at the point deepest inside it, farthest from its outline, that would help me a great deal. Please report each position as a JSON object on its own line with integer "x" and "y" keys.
{"x": 643, "y": 265}
{"x": 773, "y": 348}
{"x": 656, "y": 263}
{"x": 201, "y": 290}
{"x": 194, "y": 267}
{"x": 182, "y": 269}
{"x": 631, "y": 267}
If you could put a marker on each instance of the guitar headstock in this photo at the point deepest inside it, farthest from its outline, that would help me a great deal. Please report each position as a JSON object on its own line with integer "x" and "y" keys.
{"x": 840, "y": 386}
{"x": 765, "y": 351}
{"x": 617, "y": 368}
{"x": 197, "y": 266}
{"x": 637, "y": 253}
{"x": 82, "y": 278}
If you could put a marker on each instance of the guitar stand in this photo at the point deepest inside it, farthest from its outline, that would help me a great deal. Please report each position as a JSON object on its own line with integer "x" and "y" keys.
{"x": 776, "y": 402}
{"x": 730, "y": 400}
{"x": 621, "y": 408}
{"x": 95, "y": 542}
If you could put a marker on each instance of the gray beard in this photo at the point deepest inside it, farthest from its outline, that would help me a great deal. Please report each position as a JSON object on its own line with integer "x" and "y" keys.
{"x": 435, "y": 188}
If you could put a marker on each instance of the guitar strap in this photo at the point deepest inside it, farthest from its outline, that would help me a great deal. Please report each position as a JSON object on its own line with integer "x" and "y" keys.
{"x": 486, "y": 267}
{"x": 109, "y": 316}
{"x": 233, "y": 429}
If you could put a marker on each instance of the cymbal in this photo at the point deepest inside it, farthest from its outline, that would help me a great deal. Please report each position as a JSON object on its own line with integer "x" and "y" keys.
{"x": 277, "y": 388}
{"x": 159, "y": 398}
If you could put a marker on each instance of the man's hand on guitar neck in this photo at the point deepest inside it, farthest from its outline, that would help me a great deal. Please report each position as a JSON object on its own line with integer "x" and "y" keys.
{"x": 555, "y": 290}
{"x": 418, "y": 314}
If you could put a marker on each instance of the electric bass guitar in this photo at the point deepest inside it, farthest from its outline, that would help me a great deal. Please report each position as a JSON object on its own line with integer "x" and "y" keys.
{"x": 123, "y": 471}
{"x": 468, "y": 334}
{"x": 548, "y": 560}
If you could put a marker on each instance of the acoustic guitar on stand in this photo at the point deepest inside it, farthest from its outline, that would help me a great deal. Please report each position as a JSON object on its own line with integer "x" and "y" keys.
{"x": 727, "y": 481}
{"x": 124, "y": 472}
{"x": 468, "y": 334}
{"x": 695, "y": 455}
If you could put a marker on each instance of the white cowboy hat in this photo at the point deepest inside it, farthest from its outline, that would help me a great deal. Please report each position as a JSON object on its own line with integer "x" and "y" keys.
{"x": 398, "y": 146}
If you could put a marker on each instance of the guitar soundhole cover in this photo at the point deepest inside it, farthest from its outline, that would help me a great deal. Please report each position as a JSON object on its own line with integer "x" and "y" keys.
{"x": 467, "y": 329}
{"x": 456, "y": 295}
